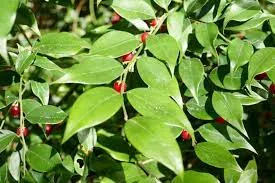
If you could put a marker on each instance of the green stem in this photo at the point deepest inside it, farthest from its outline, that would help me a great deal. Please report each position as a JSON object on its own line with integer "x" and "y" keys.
{"x": 92, "y": 10}
{"x": 224, "y": 38}
{"x": 85, "y": 170}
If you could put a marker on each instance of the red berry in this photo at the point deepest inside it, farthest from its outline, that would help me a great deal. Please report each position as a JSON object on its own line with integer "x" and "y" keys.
{"x": 154, "y": 22}
{"x": 15, "y": 111}
{"x": 127, "y": 57}
{"x": 163, "y": 28}
{"x": 185, "y": 135}
{"x": 120, "y": 86}
{"x": 48, "y": 129}
{"x": 23, "y": 131}
{"x": 220, "y": 120}
{"x": 272, "y": 88}
{"x": 144, "y": 36}
{"x": 261, "y": 76}
{"x": 115, "y": 18}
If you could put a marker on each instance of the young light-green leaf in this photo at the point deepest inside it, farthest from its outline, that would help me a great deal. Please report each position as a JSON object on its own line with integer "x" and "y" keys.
{"x": 92, "y": 108}
{"x": 152, "y": 138}
{"x": 24, "y": 60}
{"x": 199, "y": 177}
{"x": 41, "y": 90}
{"x": 14, "y": 165}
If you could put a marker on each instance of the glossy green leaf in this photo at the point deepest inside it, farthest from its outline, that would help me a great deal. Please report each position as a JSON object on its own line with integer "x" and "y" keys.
{"x": 225, "y": 136}
{"x": 193, "y": 5}
{"x": 59, "y": 45}
{"x": 87, "y": 138}
{"x": 116, "y": 146}
{"x": 42, "y": 157}
{"x": 156, "y": 75}
{"x": 68, "y": 163}
{"x": 14, "y": 165}
{"x": 229, "y": 108}
{"x": 250, "y": 173}
{"x": 216, "y": 155}
{"x": 134, "y": 9}
{"x": 234, "y": 80}
{"x": 179, "y": 28}
{"x": 6, "y": 137}
{"x": 249, "y": 99}
{"x": 153, "y": 103}
{"x": 271, "y": 74}
{"x": 47, "y": 114}
{"x": 231, "y": 175}
{"x": 152, "y": 138}
{"x": 206, "y": 34}
{"x": 187, "y": 69}
{"x": 241, "y": 10}
{"x": 92, "y": 70}
{"x": 4, "y": 173}
{"x": 213, "y": 10}
{"x": 92, "y": 108}
{"x": 262, "y": 61}
{"x": 199, "y": 177}
{"x": 165, "y": 48}
{"x": 202, "y": 109}
{"x": 239, "y": 53}
{"x": 24, "y": 60}
{"x": 163, "y": 3}
{"x": 29, "y": 105}
{"x": 41, "y": 90}
{"x": 115, "y": 44}
{"x": 45, "y": 63}
{"x": 7, "y": 16}
{"x": 79, "y": 164}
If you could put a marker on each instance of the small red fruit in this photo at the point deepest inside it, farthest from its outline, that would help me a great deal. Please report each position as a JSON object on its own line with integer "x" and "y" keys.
{"x": 120, "y": 86}
{"x": 144, "y": 36}
{"x": 261, "y": 76}
{"x": 154, "y": 22}
{"x": 23, "y": 131}
{"x": 185, "y": 135}
{"x": 220, "y": 120}
{"x": 115, "y": 18}
{"x": 15, "y": 111}
{"x": 48, "y": 129}
{"x": 272, "y": 88}
{"x": 128, "y": 57}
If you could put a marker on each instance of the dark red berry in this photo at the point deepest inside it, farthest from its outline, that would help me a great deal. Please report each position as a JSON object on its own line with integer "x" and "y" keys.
{"x": 128, "y": 57}
{"x": 272, "y": 88}
{"x": 154, "y": 22}
{"x": 185, "y": 135}
{"x": 261, "y": 76}
{"x": 115, "y": 18}
{"x": 241, "y": 35}
{"x": 23, "y": 131}
{"x": 48, "y": 129}
{"x": 144, "y": 36}
{"x": 15, "y": 111}
{"x": 163, "y": 28}
{"x": 120, "y": 86}
{"x": 220, "y": 120}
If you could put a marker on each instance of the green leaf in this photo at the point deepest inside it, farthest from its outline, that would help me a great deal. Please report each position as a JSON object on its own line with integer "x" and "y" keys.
{"x": 87, "y": 138}
{"x": 41, "y": 90}
{"x": 179, "y": 28}
{"x": 241, "y": 10}
{"x": 151, "y": 102}
{"x": 116, "y": 146}
{"x": 250, "y": 173}
{"x": 29, "y": 105}
{"x": 152, "y": 138}
{"x": 115, "y": 44}
{"x": 14, "y": 165}
{"x": 92, "y": 108}
{"x": 42, "y": 157}
{"x": 225, "y": 136}
{"x": 134, "y": 9}
{"x": 156, "y": 75}
{"x": 271, "y": 74}
{"x": 206, "y": 34}
{"x": 239, "y": 53}
{"x": 193, "y": 5}
{"x": 6, "y": 137}
{"x": 249, "y": 99}
{"x": 61, "y": 44}
{"x": 216, "y": 155}
{"x": 199, "y": 177}
{"x": 45, "y": 63}
{"x": 7, "y": 16}
{"x": 24, "y": 60}
{"x": 68, "y": 163}
{"x": 3, "y": 48}
{"x": 92, "y": 70}
{"x": 213, "y": 10}
{"x": 165, "y": 48}
{"x": 46, "y": 114}
{"x": 4, "y": 173}
{"x": 163, "y": 3}
{"x": 187, "y": 68}
{"x": 234, "y": 80}
{"x": 262, "y": 61}
{"x": 231, "y": 175}
{"x": 202, "y": 109}
{"x": 230, "y": 109}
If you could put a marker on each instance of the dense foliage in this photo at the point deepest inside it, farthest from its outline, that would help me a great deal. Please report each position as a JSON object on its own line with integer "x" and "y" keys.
{"x": 137, "y": 91}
